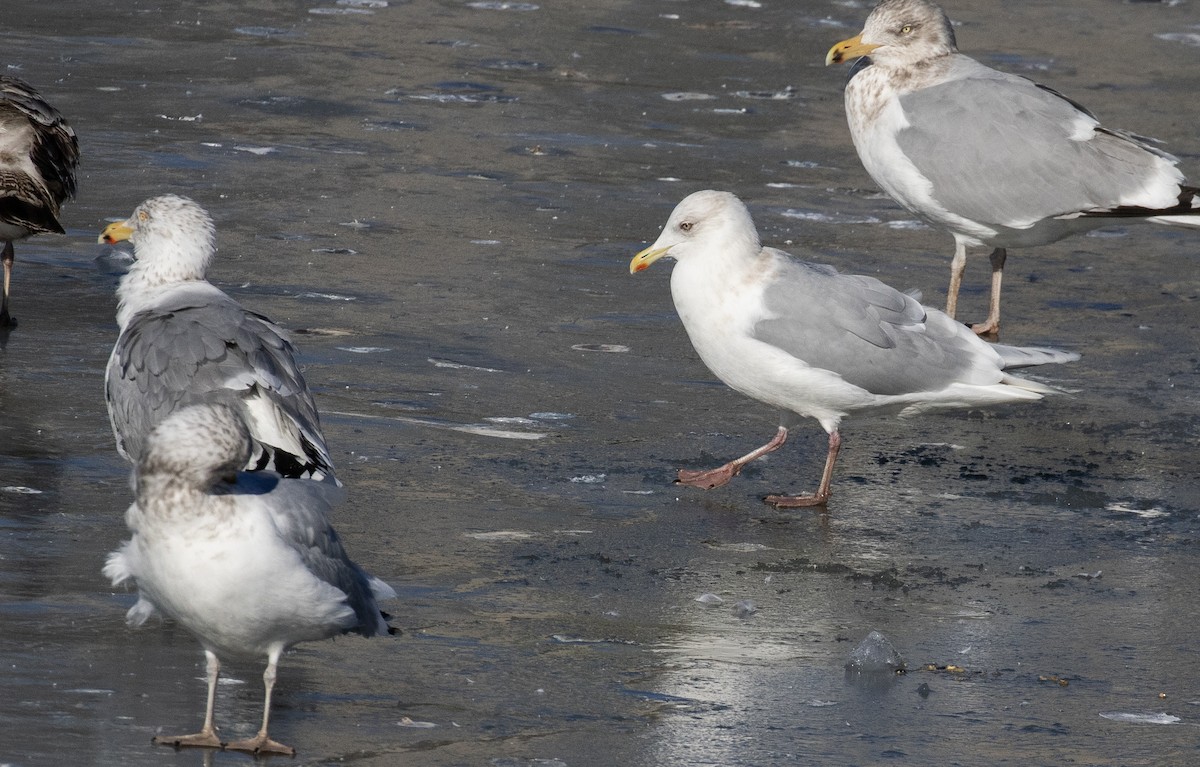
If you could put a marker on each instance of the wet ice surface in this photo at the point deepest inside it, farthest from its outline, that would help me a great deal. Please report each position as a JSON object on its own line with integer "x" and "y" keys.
{"x": 462, "y": 185}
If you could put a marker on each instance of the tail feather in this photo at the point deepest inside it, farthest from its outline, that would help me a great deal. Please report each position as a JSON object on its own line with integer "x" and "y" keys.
{"x": 1185, "y": 212}
{"x": 1030, "y": 356}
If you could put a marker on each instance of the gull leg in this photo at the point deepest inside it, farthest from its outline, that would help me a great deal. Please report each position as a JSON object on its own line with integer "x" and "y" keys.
{"x": 707, "y": 480}
{"x": 820, "y": 497}
{"x": 7, "y": 257}
{"x": 957, "y": 266}
{"x": 991, "y": 326}
{"x": 262, "y": 743}
{"x": 207, "y": 737}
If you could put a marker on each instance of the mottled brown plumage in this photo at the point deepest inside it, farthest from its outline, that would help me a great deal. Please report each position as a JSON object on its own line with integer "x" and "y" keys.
{"x": 38, "y": 157}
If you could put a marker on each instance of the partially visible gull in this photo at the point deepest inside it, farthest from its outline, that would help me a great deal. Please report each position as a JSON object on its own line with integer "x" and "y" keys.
{"x": 245, "y": 561}
{"x": 995, "y": 159}
{"x": 812, "y": 342}
{"x": 38, "y": 157}
{"x": 184, "y": 341}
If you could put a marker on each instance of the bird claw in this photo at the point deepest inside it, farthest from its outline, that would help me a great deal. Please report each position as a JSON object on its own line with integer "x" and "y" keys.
{"x": 196, "y": 740}
{"x": 797, "y": 501}
{"x": 260, "y": 745}
{"x": 706, "y": 480}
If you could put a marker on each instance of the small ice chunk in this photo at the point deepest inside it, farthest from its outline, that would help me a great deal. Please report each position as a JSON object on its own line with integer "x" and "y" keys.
{"x": 609, "y": 348}
{"x": 744, "y": 608}
{"x": 20, "y": 490}
{"x": 875, "y": 655}
{"x": 340, "y": 11}
{"x": 325, "y": 296}
{"x": 550, "y": 416}
{"x": 406, "y": 722}
{"x": 688, "y": 96}
{"x": 500, "y": 535}
{"x": 439, "y": 363}
{"x": 907, "y": 224}
{"x": 828, "y": 218}
{"x": 258, "y": 150}
{"x": 1132, "y": 718}
{"x": 709, "y": 598}
{"x": 1187, "y": 38}
{"x": 363, "y": 349}
{"x": 589, "y": 479}
{"x": 514, "y": 420}
{"x": 490, "y": 5}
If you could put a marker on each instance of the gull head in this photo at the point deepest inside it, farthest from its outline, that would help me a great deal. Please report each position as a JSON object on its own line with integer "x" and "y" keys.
{"x": 173, "y": 239}
{"x": 899, "y": 33}
{"x": 705, "y": 220}
{"x": 199, "y": 446}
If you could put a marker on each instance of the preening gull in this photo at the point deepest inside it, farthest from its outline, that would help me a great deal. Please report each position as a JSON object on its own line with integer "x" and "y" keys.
{"x": 995, "y": 159}
{"x": 184, "y": 341}
{"x": 38, "y": 157}
{"x": 812, "y": 342}
{"x": 245, "y": 561}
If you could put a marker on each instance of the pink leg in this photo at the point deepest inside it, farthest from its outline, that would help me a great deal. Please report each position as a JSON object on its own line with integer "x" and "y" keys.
{"x": 823, "y": 492}
{"x": 957, "y": 266}
{"x": 7, "y": 257}
{"x": 991, "y": 326}
{"x": 707, "y": 480}
{"x": 207, "y": 737}
{"x": 262, "y": 743}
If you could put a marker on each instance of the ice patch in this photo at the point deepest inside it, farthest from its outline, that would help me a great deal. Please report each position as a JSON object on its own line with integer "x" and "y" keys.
{"x": 709, "y": 599}
{"x": 406, "y": 722}
{"x": 501, "y": 535}
{"x": 590, "y": 479}
{"x": 20, "y": 490}
{"x": 363, "y": 349}
{"x": 494, "y": 5}
{"x": 688, "y": 96}
{"x": 1187, "y": 38}
{"x": 610, "y": 348}
{"x": 439, "y": 363}
{"x": 1132, "y": 718}
{"x": 1125, "y": 508}
{"x": 325, "y": 296}
{"x": 828, "y": 218}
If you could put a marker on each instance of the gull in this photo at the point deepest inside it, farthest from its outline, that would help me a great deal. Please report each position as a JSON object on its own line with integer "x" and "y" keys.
{"x": 995, "y": 159}
{"x": 245, "y": 561}
{"x": 813, "y": 342}
{"x": 184, "y": 341}
{"x": 38, "y": 157}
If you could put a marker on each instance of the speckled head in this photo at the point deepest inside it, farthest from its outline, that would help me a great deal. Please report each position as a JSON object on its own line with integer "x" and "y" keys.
{"x": 899, "y": 33}
{"x": 173, "y": 239}
{"x": 198, "y": 445}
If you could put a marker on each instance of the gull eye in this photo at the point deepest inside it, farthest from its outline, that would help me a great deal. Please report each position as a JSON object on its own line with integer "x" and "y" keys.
{"x": 143, "y": 216}
{"x": 906, "y": 29}
{"x": 686, "y": 226}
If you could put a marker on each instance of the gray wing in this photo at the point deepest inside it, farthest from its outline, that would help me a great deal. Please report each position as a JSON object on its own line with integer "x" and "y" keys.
{"x": 998, "y": 149}
{"x": 301, "y": 512}
{"x": 870, "y": 334}
{"x": 210, "y": 349}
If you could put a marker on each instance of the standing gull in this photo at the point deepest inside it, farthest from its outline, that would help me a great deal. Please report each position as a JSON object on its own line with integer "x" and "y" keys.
{"x": 808, "y": 340}
{"x": 38, "y": 157}
{"x": 247, "y": 562}
{"x": 995, "y": 159}
{"x": 184, "y": 341}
